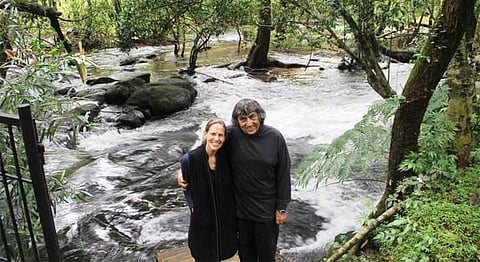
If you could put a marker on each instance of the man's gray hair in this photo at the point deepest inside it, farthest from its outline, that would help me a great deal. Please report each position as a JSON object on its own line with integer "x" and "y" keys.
{"x": 245, "y": 107}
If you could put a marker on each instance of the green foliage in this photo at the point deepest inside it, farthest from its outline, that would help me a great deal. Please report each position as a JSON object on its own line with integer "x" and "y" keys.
{"x": 435, "y": 158}
{"x": 475, "y": 120}
{"x": 61, "y": 190}
{"x": 91, "y": 22}
{"x": 242, "y": 13}
{"x": 441, "y": 220}
{"x": 158, "y": 22}
{"x": 356, "y": 150}
{"x": 439, "y": 224}
{"x": 404, "y": 15}
{"x": 340, "y": 23}
{"x": 149, "y": 21}
{"x": 30, "y": 80}
{"x": 300, "y": 25}
{"x": 32, "y": 67}
{"x": 442, "y": 225}
{"x": 368, "y": 143}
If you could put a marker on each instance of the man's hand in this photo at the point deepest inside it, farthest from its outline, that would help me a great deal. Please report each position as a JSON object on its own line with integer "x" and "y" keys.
{"x": 181, "y": 183}
{"x": 281, "y": 217}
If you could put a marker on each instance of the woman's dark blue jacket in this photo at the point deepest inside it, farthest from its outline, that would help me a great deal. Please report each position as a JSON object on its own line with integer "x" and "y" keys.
{"x": 212, "y": 235}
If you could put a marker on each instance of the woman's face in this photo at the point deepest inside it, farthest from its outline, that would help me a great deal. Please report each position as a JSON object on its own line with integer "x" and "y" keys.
{"x": 215, "y": 137}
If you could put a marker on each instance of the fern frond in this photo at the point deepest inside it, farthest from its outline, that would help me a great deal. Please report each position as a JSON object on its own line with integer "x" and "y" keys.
{"x": 355, "y": 150}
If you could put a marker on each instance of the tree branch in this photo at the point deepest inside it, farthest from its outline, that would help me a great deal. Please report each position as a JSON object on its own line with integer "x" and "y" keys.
{"x": 40, "y": 10}
{"x": 362, "y": 234}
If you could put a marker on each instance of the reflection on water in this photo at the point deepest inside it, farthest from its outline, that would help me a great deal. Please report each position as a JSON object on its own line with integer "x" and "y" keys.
{"x": 135, "y": 208}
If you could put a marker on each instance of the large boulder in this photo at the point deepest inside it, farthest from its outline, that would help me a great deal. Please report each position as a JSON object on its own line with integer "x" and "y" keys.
{"x": 119, "y": 93}
{"x": 165, "y": 97}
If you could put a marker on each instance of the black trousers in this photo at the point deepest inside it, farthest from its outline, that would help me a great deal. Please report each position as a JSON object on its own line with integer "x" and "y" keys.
{"x": 257, "y": 241}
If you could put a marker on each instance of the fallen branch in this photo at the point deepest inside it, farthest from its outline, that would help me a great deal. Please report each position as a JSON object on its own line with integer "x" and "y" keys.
{"x": 216, "y": 78}
{"x": 361, "y": 235}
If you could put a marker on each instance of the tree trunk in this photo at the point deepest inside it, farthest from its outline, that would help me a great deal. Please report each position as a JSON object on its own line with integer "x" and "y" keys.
{"x": 176, "y": 38}
{"x": 117, "y": 6}
{"x": 239, "y": 43}
{"x": 461, "y": 83}
{"x": 257, "y": 58}
{"x": 199, "y": 43}
{"x": 436, "y": 55}
{"x": 4, "y": 46}
{"x": 40, "y": 10}
{"x": 460, "y": 107}
{"x": 369, "y": 48}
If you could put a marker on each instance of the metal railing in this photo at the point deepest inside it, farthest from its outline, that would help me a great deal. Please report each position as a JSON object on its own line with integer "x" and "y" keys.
{"x": 24, "y": 200}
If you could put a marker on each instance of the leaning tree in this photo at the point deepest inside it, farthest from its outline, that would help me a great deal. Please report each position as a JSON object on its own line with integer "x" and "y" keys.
{"x": 446, "y": 35}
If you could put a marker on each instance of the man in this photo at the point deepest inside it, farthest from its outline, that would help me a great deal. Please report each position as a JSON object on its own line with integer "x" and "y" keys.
{"x": 261, "y": 171}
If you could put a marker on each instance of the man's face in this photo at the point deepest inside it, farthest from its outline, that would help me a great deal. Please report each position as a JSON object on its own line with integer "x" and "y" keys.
{"x": 250, "y": 123}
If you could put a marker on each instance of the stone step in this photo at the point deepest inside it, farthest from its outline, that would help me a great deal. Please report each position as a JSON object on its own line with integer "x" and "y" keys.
{"x": 182, "y": 254}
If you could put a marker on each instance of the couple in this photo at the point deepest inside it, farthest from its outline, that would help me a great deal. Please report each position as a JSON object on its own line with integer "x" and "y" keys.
{"x": 238, "y": 180}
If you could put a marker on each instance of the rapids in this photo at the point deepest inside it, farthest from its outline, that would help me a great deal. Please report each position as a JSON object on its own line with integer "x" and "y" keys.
{"x": 133, "y": 208}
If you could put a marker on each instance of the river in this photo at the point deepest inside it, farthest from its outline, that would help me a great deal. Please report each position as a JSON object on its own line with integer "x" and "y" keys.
{"x": 133, "y": 208}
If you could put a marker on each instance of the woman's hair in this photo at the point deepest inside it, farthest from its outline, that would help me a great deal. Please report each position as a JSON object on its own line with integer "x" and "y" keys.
{"x": 245, "y": 107}
{"x": 210, "y": 123}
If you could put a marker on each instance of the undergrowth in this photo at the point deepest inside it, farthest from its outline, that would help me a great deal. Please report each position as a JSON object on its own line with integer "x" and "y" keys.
{"x": 441, "y": 225}
{"x": 441, "y": 219}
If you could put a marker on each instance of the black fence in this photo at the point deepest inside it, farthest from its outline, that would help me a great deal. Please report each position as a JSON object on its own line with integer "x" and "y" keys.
{"x": 27, "y": 228}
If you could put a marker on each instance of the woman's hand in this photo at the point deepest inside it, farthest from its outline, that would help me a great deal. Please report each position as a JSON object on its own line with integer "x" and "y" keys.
{"x": 181, "y": 183}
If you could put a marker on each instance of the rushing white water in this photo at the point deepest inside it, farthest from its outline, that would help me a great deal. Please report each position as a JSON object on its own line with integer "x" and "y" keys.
{"x": 310, "y": 107}
{"x": 314, "y": 104}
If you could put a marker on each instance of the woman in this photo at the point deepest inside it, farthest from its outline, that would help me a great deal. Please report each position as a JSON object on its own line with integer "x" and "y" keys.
{"x": 212, "y": 234}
